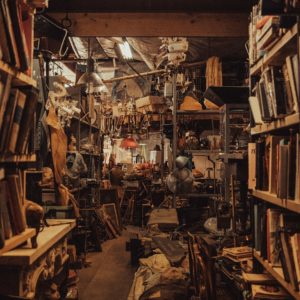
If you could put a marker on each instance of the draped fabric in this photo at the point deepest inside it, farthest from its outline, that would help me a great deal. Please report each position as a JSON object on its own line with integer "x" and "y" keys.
{"x": 58, "y": 145}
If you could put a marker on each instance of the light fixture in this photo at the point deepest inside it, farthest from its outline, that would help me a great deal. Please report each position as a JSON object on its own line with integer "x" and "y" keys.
{"x": 125, "y": 50}
{"x": 90, "y": 76}
{"x": 129, "y": 143}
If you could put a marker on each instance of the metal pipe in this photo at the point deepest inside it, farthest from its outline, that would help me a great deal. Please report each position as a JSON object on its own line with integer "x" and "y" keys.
{"x": 174, "y": 145}
{"x": 134, "y": 76}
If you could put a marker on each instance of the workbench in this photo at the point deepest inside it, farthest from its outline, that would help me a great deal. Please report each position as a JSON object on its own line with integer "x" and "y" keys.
{"x": 21, "y": 269}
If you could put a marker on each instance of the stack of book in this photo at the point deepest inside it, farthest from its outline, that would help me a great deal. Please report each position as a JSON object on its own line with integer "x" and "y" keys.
{"x": 274, "y": 166}
{"x": 238, "y": 253}
{"x": 12, "y": 213}
{"x": 17, "y": 109}
{"x": 15, "y": 48}
{"x": 277, "y": 238}
{"x": 276, "y": 92}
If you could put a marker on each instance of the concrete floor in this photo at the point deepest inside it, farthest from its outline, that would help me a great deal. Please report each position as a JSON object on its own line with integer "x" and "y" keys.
{"x": 110, "y": 275}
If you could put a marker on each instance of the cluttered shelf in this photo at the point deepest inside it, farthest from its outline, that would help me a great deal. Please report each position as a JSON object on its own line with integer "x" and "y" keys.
{"x": 17, "y": 240}
{"x": 289, "y": 120}
{"x": 277, "y": 273}
{"x": 292, "y": 205}
{"x": 20, "y": 78}
{"x": 7, "y": 158}
{"x": 276, "y": 56}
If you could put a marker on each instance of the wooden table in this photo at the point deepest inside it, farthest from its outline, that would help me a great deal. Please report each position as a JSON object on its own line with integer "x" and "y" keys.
{"x": 22, "y": 268}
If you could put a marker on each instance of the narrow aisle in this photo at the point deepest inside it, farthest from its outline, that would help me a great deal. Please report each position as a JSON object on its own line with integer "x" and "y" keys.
{"x": 110, "y": 275}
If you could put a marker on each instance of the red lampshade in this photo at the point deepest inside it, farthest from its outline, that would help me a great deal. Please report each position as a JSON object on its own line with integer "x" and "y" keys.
{"x": 129, "y": 143}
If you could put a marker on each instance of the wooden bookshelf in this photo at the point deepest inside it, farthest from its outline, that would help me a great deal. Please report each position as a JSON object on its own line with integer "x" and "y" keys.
{"x": 17, "y": 240}
{"x": 292, "y": 205}
{"x": 285, "y": 46}
{"x": 6, "y": 158}
{"x": 287, "y": 121}
{"x": 20, "y": 78}
{"x": 277, "y": 273}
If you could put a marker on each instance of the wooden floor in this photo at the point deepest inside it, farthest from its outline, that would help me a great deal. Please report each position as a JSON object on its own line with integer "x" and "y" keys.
{"x": 110, "y": 275}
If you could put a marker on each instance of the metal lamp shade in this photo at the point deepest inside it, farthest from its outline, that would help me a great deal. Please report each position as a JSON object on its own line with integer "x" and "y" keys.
{"x": 129, "y": 143}
{"x": 92, "y": 78}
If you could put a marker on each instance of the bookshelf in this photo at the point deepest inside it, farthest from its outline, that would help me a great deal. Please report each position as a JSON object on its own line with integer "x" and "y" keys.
{"x": 277, "y": 273}
{"x": 276, "y": 55}
{"x": 20, "y": 78}
{"x": 292, "y": 205}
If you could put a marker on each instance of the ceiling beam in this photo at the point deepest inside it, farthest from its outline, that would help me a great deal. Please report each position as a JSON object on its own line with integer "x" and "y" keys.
{"x": 156, "y": 24}
{"x": 203, "y": 6}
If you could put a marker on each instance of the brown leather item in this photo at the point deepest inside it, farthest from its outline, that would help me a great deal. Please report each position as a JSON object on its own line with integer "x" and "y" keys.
{"x": 190, "y": 103}
{"x": 58, "y": 145}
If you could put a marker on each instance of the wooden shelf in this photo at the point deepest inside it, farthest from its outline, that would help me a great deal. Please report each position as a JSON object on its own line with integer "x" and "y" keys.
{"x": 203, "y": 152}
{"x": 20, "y": 78}
{"x": 46, "y": 239}
{"x": 287, "y": 121}
{"x": 285, "y": 46}
{"x": 17, "y": 240}
{"x": 234, "y": 155}
{"x": 199, "y": 112}
{"x": 292, "y": 205}
{"x": 17, "y": 158}
{"x": 277, "y": 273}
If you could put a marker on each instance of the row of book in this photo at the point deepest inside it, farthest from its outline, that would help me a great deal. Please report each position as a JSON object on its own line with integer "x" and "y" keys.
{"x": 265, "y": 31}
{"x": 12, "y": 212}
{"x": 17, "y": 109}
{"x": 14, "y": 47}
{"x": 274, "y": 166}
{"x": 277, "y": 238}
{"x": 276, "y": 93}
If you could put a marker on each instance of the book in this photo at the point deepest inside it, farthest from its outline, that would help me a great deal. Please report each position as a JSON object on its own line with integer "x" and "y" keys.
{"x": 288, "y": 90}
{"x": 279, "y": 98}
{"x": 6, "y": 80}
{"x": 5, "y": 42}
{"x": 296, "y": 73}
{"x": 10, "y": 34}
{"x": 292, "y": 166}
{"x": 259, "y": 278}
{"x": 283, "y": 171}
{"x": 17, "y": 207}
{"x": 251, "y": 166}
{"x": 13, "y": 134}
{"x": 292, "y": 79}
{"x": 295, "y": 245}
{"x": 255, "y": 109}
{"x": 4, "y": 209}
{"x": 289, "y": 261}
{"x": 8, "y": 119}
{"x": 273, "y": 217}
{"x": 14, "y": 8}
{"x": 27, "y": 119}
{"x": 265, "y": 105}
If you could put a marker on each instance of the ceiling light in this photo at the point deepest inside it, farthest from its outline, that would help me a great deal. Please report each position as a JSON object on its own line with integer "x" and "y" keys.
{"x": 90, "y": 76}
{"x": 129, "y": 143}
{"x": 126, "y": 50}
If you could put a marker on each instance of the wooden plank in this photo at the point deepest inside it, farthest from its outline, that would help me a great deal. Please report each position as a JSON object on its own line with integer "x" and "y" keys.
{"x": 277, "y": 273}
{"x": 286, "y": 45}
{"x": 19, "y": 77}
{"x": 156, "y": 24}
{"x": 6, "y": 158}
{"x": 46, "y": 239}
{"x": 17, "y": 240}
{"x": 289, "y": 120}
{"x": 292, "y": 205}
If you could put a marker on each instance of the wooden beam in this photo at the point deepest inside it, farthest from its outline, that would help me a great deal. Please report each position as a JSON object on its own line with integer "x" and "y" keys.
{"x": 156, "y": 24}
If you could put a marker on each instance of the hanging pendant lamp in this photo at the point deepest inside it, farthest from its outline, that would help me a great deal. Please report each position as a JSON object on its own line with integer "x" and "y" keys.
{"x": 129, "y": 143}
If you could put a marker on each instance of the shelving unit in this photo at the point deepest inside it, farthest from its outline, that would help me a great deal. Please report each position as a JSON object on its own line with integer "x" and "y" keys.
{"x": 284, "y": 46}
{"x": 277, "y": 273}
{"x": 292, "y": 205}
{"x": 20, "y": 78}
